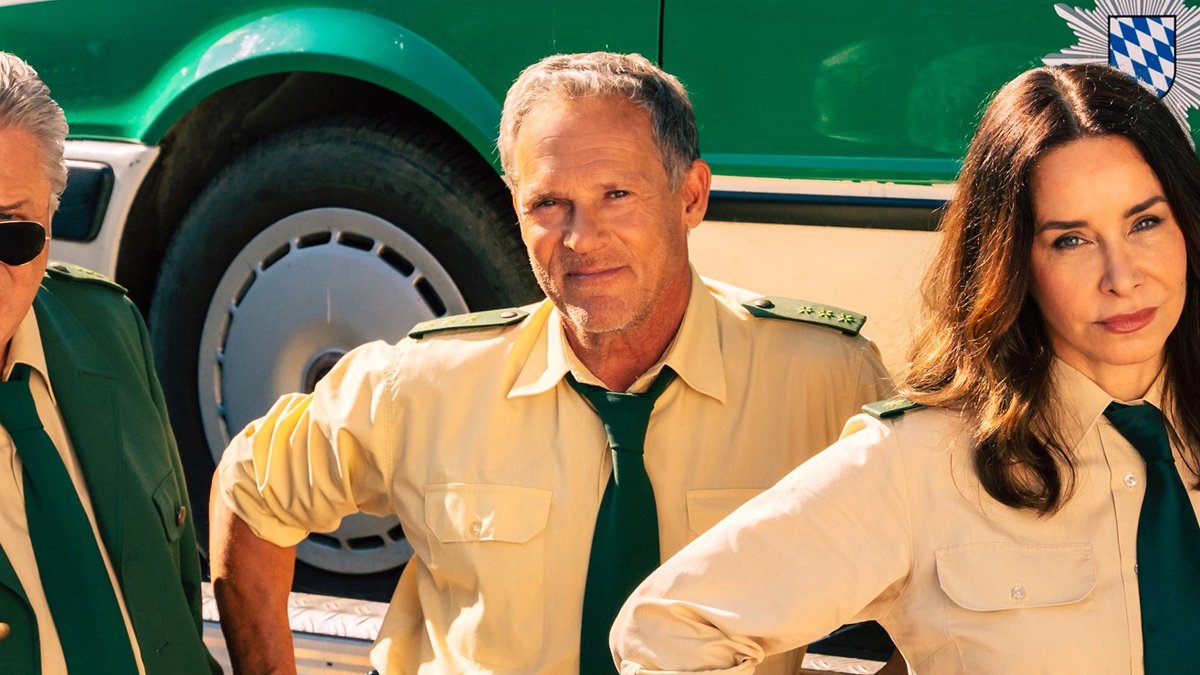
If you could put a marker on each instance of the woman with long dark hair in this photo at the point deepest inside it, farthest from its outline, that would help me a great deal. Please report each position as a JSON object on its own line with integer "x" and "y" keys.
{"x": 1030, "y": 506}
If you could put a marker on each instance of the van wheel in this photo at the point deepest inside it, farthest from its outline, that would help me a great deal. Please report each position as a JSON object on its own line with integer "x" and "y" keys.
{"x": 319, "y": 239}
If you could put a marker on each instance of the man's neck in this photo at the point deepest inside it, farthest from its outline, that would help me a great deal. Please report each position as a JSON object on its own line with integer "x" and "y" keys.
{"x": 619, "y": 358}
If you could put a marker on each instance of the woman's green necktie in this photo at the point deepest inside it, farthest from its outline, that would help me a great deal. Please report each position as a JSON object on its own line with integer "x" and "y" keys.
{"x": 625, "y": 541}
{"x": 74, "y": 579}
{"x": 1168, "y": 547}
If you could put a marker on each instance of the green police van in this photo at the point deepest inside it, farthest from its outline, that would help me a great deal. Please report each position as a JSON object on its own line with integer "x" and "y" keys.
{"x": 277, "y": 182}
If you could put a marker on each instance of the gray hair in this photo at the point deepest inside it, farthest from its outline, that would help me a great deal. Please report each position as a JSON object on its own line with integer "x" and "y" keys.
{"x": 25, "y": 104}
{"x": 571, "y": 76}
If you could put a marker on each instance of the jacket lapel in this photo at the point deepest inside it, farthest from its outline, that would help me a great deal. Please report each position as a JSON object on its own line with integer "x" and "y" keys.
{"x": 85, "y": 389}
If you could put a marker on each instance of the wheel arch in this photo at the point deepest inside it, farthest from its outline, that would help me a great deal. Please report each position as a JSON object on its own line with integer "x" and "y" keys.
{"x": 341, "y": 42}
{"x": 247, "y": 79}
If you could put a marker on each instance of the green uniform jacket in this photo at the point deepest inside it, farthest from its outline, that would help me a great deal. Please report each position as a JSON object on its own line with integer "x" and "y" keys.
{"x": 100, "y": 367}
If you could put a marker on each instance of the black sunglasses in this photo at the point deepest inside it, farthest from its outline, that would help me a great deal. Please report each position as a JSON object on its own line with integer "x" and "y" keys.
{"x": 21, "y": 241}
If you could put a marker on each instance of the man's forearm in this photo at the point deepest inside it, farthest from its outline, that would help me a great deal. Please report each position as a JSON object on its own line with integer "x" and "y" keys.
{"x": 251, "y": 579}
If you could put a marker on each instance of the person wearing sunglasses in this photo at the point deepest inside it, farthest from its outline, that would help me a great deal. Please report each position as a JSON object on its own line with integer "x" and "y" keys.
{"x": 99, "y": 571}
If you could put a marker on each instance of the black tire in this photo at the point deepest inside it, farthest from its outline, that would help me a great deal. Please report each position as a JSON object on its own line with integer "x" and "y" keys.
{"x": 400, "y": 193}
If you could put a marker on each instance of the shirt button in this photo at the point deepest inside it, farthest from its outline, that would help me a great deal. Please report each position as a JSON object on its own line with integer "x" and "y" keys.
{"x": 181, "y": 516}
{"x": 1018, "y": 592}
{"x": 476, "y": 528}
{"x": 1130, "y": 480}
{"x": 5, "y": 630}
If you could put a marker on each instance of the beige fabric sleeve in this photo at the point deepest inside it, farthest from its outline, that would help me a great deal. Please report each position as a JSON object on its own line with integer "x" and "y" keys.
{"x": 874, "y": 382}
{"x": 313, "y": 459}
{"x": 792, "y": 564}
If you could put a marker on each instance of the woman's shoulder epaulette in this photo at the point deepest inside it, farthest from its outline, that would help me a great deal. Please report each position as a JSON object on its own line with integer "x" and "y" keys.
{"x": 890, "y": 408}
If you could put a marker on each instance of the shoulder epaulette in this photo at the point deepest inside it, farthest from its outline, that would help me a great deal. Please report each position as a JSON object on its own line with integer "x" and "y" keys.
{"x": 773, "y": 307}
{"x": 890, "y": 408}
{"x": 69, "y": 272}
{"x": 474, "y": 321}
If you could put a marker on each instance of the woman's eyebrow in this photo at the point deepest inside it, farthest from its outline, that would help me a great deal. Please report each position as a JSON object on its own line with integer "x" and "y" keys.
{"x": 1072, "y": 224}
{"x": 1142, "y": 206}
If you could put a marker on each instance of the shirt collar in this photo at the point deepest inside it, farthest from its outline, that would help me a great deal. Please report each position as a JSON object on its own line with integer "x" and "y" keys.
{"x": 1081, "y": 402}
{"x": 26, "y": 347}
{"x": 694, "y": 353}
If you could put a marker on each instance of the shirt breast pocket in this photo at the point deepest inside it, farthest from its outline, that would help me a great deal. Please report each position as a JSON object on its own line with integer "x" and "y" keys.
{"x": 1006, "y": 594}
{"x": 490, "y": 556}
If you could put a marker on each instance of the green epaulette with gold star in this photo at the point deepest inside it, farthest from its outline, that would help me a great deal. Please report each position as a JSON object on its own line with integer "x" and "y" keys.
{"x": 69, "y": 272}
{"x": 476, "y": 320}
{"x": 890, "y": 408}
{"x": 773, "y": 307}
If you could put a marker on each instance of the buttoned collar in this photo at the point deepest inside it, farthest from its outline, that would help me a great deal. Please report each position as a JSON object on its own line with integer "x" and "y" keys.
{"x": 26, "y": 347}
{"x": 1081, "y": 402}
{"x": 694, "y": 353}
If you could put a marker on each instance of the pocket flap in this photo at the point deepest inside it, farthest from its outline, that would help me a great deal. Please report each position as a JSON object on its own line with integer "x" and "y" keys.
{"x": 470, "y": 512}
{"x": 170, "y": 507}
{"x": 996, "y": 576}
{"x": 706, "y": 508}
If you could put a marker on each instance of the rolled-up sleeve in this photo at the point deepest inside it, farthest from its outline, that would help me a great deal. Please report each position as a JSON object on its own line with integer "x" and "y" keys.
{"x": 829, "y": 544}
{"x": 313, "y": 459}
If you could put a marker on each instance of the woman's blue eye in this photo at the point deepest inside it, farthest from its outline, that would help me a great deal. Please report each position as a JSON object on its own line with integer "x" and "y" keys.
{"x": 1068, "y": 241}
{"x": 1146, "y": 223}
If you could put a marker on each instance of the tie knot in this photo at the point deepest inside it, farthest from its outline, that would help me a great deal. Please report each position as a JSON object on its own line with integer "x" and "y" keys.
{"x": 625, "y": 416}
{"x": 1144, "y": 427}
{"x": 17, "y": 411}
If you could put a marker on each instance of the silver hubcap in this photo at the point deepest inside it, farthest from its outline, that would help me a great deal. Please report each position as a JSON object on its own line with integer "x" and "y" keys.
{"x": 301, "y": 294}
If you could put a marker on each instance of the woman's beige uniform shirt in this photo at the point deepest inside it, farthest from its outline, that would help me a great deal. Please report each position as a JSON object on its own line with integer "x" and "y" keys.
{"x": 26, "y": 347}
{"x": 496, "y": 467}
{"x": 891, "y": 524}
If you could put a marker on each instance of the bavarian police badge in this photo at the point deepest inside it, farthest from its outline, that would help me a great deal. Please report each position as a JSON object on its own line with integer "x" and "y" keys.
{"x": 1156, "y": 42}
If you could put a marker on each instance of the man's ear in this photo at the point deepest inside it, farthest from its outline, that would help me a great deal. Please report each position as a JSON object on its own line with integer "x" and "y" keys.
{"x": 694, "y": 190}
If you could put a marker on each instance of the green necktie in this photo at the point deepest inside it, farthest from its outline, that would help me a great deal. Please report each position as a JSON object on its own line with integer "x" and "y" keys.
{"x": 625, "y": 541}
{"x": 77, "y": 586}
{"x": 1168, "y": 547}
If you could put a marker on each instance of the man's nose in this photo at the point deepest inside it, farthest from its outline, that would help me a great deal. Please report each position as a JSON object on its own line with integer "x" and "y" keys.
{"x": 586, "y": 230}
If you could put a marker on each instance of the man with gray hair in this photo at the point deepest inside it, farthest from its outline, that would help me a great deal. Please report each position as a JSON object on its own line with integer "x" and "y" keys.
{"x": 99, "y": 571}
{"x": 542, "y": 460}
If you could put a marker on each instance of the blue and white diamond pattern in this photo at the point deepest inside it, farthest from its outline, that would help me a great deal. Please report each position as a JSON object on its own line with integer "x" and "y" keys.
{"x": 1126, "y": 33}
{"x": 1144, "y": 47}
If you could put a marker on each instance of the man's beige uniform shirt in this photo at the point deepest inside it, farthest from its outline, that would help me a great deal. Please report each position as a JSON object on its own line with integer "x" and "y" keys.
{"x": 496, "y": 467}
{"x": 892, "y": 524}
{"x": 26, "y": 347}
